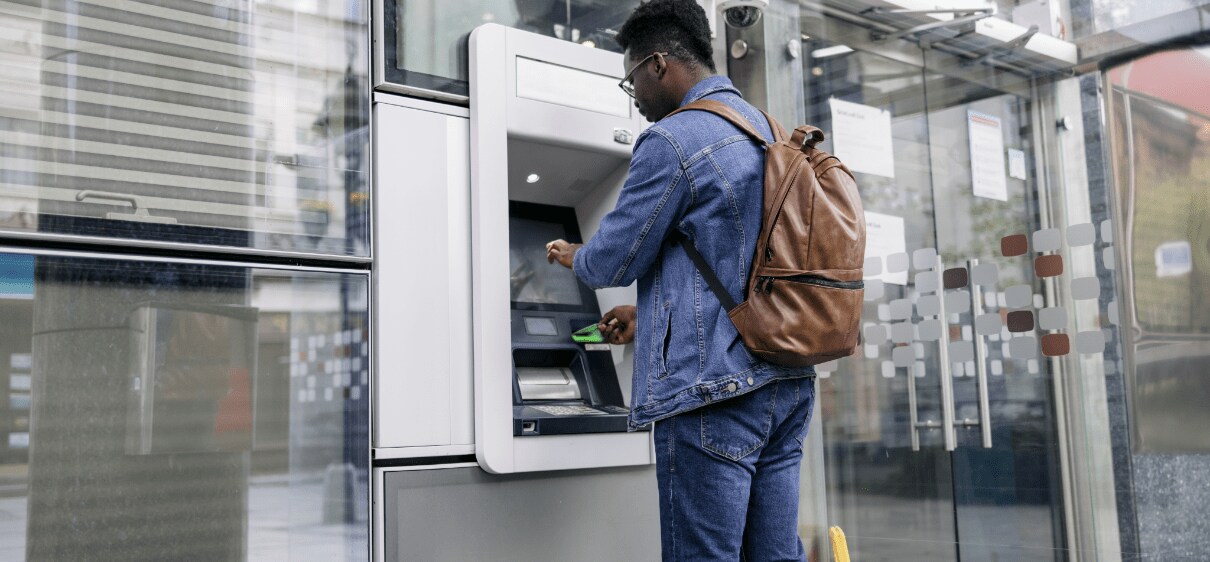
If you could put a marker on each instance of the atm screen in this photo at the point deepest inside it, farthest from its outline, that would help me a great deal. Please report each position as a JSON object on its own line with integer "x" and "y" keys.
{"x": 532, "y": 279}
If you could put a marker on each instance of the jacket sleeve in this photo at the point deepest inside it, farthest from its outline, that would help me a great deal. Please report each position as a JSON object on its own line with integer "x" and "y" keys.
{"x": 655, "y": 197}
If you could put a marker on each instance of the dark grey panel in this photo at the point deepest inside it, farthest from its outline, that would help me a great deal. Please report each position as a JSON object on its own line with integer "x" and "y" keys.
{"x": 460, "y": 514}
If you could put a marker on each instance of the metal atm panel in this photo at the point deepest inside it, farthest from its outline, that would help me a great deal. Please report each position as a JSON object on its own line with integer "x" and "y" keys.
{"x": 550, "y": 133}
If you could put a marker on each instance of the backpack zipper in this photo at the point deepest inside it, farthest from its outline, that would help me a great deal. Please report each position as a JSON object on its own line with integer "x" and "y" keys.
{"x": 766, "y": 283}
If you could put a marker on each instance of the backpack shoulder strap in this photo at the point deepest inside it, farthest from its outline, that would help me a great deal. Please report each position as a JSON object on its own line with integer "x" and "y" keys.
{"x": 735, "y": 118}
{"x": 708, "y": 274}
{"x": 779, "y": 134}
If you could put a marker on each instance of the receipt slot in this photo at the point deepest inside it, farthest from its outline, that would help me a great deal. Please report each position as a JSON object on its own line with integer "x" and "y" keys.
{"x": 551, "y": 138}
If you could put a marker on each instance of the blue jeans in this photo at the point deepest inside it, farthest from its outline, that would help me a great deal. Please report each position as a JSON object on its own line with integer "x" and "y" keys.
{"x": 728, "y": 476}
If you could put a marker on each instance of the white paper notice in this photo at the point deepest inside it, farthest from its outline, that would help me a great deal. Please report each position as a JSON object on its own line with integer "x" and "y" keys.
{"x": 1016, "y": 163}
{"x": 987, "y": 156}
{"x": 885, "y": 235}
{"x": 861, "y": 136}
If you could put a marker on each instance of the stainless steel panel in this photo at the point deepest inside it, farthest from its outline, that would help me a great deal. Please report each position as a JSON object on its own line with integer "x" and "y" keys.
{"x": 459, "y": 514}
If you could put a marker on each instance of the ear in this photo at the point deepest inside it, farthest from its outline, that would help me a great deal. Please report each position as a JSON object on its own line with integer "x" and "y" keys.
{"x": 660, "y": 65}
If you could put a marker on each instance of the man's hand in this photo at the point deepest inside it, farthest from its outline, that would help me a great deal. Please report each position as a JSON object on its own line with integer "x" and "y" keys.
{"x": 617, "y": 326}
{"x": 561, "y": 251}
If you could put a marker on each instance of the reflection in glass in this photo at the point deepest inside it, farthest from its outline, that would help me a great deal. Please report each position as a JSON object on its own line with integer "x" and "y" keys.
{"x": 230, "y": 123}
{"x": 426, "y": 40}
{"x": 1160, "y": 122}
{"x": 182, "y": 412}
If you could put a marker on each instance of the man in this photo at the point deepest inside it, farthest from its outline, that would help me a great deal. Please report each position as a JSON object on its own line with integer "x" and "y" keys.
{"x": 728, "y": 427}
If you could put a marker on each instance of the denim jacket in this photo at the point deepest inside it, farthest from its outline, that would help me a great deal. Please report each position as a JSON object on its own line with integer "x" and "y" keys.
{"x": 696, "y": 173}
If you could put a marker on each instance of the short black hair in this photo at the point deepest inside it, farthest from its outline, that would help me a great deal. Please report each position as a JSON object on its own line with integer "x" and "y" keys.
{"x": 678, "y": 27}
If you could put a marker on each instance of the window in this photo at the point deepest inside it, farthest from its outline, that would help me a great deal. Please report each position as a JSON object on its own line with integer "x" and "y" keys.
{"x": 228, "y": 123}
{"x": 425, "y": 41}
{"x": 182, "y": 411}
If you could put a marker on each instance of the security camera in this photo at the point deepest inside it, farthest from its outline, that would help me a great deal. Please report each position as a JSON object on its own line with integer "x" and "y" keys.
{"x": 742, "y": 13}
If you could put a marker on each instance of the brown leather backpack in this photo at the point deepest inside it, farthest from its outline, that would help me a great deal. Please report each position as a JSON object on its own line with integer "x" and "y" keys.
{"x": 804, "y": 296}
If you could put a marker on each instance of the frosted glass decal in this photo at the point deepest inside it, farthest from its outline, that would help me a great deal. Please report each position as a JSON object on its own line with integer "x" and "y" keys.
{"x": 928, "y": 305}
{"x": 1023, "y": 347}
{"x": 875, "y": 334}
{"x": 1081, "y": 234}
{"x": 1090, "y": 342}
{"x": 872, "y": 266}
{"x": 1047, "y": 240}
{"x": 874, "y": 290}
{"x": 1018, "y": 296}
{"x": 930, "y": 330}
{"x": 961, "y": 351}
{"x": 926, "y": 282}
{"x": 901, "y": 309}
{"x": 1052, "y": 318}
{"x": 987, "y": 324}
{"x": 1085, "y": 288}
{"x": 924, "y": 258}
{"x": 957, "y": 302}
{"x": 897, "y": 263}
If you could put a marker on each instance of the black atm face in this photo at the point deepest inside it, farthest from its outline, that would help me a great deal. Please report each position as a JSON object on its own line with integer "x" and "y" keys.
{"x": 560, "y": 387}
{"x": 532, "y": 279}
{"x": 534, "y": 283}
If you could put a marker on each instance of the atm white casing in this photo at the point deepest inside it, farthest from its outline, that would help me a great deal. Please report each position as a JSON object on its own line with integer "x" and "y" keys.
{"x": 561, "y": 111}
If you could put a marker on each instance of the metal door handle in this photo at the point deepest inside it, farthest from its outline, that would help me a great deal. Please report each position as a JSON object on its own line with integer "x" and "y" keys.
{"x": 947, "y": 384}
{"x": 947, "y": 379}
{"x": 985, "y": 417}
{"x": 913, "y": 422}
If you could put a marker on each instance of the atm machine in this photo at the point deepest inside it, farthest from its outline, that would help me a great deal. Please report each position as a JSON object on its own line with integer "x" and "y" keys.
{"x": 475, "y": 357}
{"x": 551, "y": 138}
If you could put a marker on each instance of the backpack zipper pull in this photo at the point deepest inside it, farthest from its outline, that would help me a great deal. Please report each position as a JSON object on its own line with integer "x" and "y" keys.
{"x": 764, "y": 284}
{"x": 768, "y": 254}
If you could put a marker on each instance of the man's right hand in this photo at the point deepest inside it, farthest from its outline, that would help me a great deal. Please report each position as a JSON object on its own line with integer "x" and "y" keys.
{"x": 617, "y": 326}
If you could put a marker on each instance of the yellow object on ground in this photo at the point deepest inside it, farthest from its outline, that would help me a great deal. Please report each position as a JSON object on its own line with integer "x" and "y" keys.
{"x": 840, "y": 548}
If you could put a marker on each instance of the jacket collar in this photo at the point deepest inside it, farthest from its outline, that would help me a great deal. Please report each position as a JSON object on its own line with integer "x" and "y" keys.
{"x": 711, "y": 85}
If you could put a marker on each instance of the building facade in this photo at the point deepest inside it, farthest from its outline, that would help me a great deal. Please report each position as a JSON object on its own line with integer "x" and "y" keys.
{"x": 212, "y": 233}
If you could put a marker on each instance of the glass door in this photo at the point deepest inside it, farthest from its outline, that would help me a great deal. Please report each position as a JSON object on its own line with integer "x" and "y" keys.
{"x": 938, "y": 436}
{"x": 891, "y": 491}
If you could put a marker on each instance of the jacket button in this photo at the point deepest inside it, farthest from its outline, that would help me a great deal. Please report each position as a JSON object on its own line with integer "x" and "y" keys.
{"x": 751, "y": 381}
{"x": 731, "y": 387}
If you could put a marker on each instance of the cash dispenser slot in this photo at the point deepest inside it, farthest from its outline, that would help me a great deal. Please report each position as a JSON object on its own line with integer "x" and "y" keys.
{"x": 547, "y": 383}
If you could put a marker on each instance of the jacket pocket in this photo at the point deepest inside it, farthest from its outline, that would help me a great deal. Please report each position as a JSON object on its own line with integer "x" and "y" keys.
{"x": 665, "y": 342}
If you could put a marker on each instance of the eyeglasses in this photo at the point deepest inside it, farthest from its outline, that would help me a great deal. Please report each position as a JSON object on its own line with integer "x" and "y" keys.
{"x": 626, "y": 85}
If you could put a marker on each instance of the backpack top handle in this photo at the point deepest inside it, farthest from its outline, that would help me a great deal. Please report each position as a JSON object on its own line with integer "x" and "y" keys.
{"x": 806, "y": 137}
